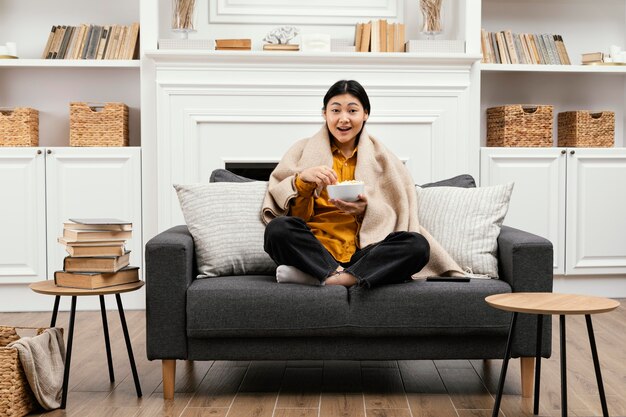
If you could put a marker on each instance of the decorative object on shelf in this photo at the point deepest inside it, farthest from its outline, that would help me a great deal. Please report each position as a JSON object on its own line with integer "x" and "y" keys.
{"x": 98, "y": 124}
{"x": 233, "y": 44}
{"x": 431, "y": 18}
{"x": 281, "y": 35}
{"x": 435, "y": 46}
{"x": 592, "y": 58}
{"x": 583, "y": 128}
{"x": 519, "y": 125}
{"x": 187, "y": 44}
{"x": 8, "y": 51}
{"x": 342, "y": 45}
{"x": 19, "y": 127}
{"x": 182, "y": 17}
{"x": 18, "y": 398}
{"x": 315, "y": 42}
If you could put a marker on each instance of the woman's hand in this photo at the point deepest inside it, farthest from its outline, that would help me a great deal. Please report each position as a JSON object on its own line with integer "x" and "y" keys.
{"x": 355, "y": 208}
{"x": 320, "y": 175}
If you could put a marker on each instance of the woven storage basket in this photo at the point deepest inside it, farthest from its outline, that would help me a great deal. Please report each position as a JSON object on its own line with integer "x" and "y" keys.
{"x": 96, "y": 125}
{"x": 19, "y": 127}
{"x": 584, "y": 128}
{"x": 517, "y": 125}
{"x": 16, "y": 397}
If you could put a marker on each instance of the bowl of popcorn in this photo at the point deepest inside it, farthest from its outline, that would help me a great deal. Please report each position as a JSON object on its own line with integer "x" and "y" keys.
{"x": 346, "y": 190}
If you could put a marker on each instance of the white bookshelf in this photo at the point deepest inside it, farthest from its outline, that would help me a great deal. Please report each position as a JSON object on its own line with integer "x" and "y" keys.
{"x": 586, "y": 26}
{"x": 50, "y": 85}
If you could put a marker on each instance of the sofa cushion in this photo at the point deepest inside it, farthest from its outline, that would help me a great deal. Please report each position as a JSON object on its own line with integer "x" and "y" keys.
{"x": 466, "y": 222}
{"x": 224, "y": 175}
{"x": 257, "y": 306}
{"x": 463, "y": 181}
{"x": 225, "y": 221}
{"x": 422, "y": 308}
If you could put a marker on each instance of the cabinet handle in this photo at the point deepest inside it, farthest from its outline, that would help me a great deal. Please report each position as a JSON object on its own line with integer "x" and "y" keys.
{"x": 572, "y": 152}
{"x": 49, "y": 151}
{"x": 563, "y": 151}
{"x": 38, "y": 151}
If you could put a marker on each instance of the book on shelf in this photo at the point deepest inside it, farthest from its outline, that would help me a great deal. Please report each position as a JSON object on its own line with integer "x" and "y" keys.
{"x": 84, "y": 235}
{"x": 233, "y": 44}
{"x": 592, "y": 57}
{"x": 95, "y": 280}
{"x": 281, "y": 47}
{"x": 506, "y": 47}
{"x": 96, "y": 263}
{"x": 379, "y": 36}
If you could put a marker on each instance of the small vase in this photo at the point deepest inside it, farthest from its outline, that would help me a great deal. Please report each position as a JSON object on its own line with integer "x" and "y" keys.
{"x": 431, "y": 17}
{"x": 183, "y": 16}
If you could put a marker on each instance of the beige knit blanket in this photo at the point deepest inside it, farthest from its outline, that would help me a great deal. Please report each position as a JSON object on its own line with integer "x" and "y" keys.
{"x": 43, "y": 358}
{"x": 390, "y": 191}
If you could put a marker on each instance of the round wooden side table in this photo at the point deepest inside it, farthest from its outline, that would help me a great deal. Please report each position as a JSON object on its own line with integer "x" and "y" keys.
{"x": 551, "y": 303}
{"x": 48, "y": 288}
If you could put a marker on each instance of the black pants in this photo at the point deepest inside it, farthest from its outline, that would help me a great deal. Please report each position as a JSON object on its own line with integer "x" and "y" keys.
{"x": 289, "y": 241}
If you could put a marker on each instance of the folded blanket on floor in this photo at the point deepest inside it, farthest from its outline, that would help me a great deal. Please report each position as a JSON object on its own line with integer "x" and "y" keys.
{"x": 43, "y": 359}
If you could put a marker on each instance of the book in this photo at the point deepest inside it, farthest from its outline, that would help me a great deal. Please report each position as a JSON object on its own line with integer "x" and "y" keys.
{"x": 592, "y": 57}
{"x": 280, "y": 47}
{"x": 83, "y": 235}
{"x": 358, "y": 35}
{"x": 562, "y": 50}
{"x": 510, "y": 45}
{"x": 83, "y": 250}
{"x": 132, "y": 49}
{"x": 98, "y": 224}
{"x": 233, "y": 43}
{"x": 44, "y": 55}
{"x": 366, "y": 37}
{"x": 95, "y": 280}
{"x": 96, "y": 264}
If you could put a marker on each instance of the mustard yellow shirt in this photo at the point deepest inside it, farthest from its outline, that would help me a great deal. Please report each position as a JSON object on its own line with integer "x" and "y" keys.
{"x": 337, "y": 231}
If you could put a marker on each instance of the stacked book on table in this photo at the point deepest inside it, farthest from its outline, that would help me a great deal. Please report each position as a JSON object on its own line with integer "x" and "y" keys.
{"x": 97, "y": 254}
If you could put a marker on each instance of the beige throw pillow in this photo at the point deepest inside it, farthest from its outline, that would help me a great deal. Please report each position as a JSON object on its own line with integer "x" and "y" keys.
{"x": 466, "y": 222}
{"x": 224, "y": 219}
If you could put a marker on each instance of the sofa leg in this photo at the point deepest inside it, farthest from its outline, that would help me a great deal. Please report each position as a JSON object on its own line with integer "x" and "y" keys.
{"x": 528, "y": 374}
{"x": 169, "y": 378}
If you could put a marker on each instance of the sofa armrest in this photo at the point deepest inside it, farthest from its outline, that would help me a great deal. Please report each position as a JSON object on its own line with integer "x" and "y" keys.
{"x": 170, "y": 270}
{"x": 525, "y": 262}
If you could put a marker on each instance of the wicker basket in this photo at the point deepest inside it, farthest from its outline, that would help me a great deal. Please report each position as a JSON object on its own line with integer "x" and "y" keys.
{"x": 517, "y": 125}
{"x": 583, "y": 128}
{"x": 97, "y": 125}
{"x": 19, "y": 127}
{"x": 16, "y": 397}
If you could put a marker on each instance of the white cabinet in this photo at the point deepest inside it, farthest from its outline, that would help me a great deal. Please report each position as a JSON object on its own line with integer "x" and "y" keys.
{"x": 575, "y": 197}
{"x": 43, "y": 187}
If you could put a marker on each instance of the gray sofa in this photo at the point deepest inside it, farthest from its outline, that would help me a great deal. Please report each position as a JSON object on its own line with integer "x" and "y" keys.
{"x": 254, "y": 318}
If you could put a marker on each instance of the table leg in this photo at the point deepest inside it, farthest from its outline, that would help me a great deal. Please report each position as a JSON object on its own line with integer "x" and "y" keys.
{"x": 563, "y": 368}
{"x": 55, "y": 310}
{"x": 68, "y": 354}
{"x": 538, "y": 362}
{"x": 107, "y": 343}
{"x": 505, "y": 364}
{"x": 128, "y": 345}
{"x": 596, "y": 365}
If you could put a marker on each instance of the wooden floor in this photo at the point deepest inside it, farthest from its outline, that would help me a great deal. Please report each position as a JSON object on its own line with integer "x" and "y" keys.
{"x": 331, "y": 388}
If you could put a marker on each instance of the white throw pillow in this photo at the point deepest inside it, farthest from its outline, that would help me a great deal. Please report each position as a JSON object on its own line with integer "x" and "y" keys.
{"x": 224, "y": 219}
{"x": 466, "y": 222}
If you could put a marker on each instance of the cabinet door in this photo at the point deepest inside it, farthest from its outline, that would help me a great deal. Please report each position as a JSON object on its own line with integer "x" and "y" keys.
{"x": 22, "y": 215}
{"x": 538, "y": 199}
{"x": 596, "y": 203}
{"x": 92, "y": 182}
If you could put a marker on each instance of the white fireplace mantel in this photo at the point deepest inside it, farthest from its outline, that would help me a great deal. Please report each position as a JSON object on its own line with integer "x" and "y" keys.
{"x": 203, "y": 109}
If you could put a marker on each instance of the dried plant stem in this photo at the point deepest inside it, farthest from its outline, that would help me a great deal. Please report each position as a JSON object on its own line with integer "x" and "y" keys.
{"x": 431, "y": 11}
{"x": 182, "y": 14}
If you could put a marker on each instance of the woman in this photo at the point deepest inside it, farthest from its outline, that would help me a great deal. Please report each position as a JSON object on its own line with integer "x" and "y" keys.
{"x": 373, "y": 241}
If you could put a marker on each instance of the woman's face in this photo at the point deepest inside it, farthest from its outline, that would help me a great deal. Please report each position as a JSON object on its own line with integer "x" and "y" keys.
{"x": 345, "y": 116}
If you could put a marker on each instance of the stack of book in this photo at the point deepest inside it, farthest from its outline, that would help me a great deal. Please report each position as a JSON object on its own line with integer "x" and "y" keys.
{"x": 92, "y": 42}
{"x": 97, "y": 254}
{"x": 506, "y": 47}
{"x": 233, "y": 44}
{"x": 379, "y": 36}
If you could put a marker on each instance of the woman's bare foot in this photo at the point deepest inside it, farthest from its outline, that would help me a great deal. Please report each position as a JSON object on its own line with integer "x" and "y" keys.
{"x": 343, "y": 278}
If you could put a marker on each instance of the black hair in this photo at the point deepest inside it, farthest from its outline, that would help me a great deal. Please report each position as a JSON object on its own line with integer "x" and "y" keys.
{"x": 350, "y": 87}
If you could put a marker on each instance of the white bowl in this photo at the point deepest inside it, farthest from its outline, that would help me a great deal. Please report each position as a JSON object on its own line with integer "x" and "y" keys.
{"x": 345, "y": 191}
